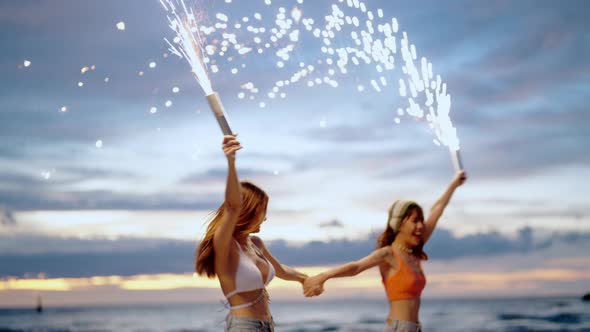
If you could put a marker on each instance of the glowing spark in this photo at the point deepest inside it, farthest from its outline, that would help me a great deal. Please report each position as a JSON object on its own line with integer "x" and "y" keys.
{"x": 63, "y": 109}
{"x": 121, "y": 25}
{"x": 106, "y": 79}
{"x": 99, "y": 144}
{"x": 46, "y": 175}
{"x": 153, "y": 110}
{"x": 80, "y": 84}
{"x": 244, "y": 50}
{"x": 402, "y": 88}
{"x": 26, "y": 63}
{"x": 84, "y": 69}
{"x": 296, "y": 14}
{"x": 175, "y": 89}
{"x": 221, "y": 17}
{"x": 152, "y": 65}
{"x": 375, "y": 85}
{"x": 294, "y": 36}
{"x": 189, "y": 45}
{"x": 168, "y": 103}
{"x": 373, "y": 42}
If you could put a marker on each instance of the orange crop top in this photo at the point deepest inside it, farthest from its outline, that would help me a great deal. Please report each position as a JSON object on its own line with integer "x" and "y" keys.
{"x": 404, "y": 283}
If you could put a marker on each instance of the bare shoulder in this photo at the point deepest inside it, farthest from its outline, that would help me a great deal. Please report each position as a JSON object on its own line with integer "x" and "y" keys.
{"x": 390, "y": 259}
{"x": 257, "y": 241}
{"x": 383, "y": 252}
{"x": 387, "y": 261}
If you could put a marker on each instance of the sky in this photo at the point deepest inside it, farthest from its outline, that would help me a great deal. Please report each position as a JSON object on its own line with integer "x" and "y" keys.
{"x": 111, "y": 161}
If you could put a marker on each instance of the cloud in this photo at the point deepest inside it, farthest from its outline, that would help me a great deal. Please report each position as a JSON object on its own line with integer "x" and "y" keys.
{"x": 30, "y": 255}
{"x": 70, "y": 257}
{"x": 332, "y": 224}
{"x": 67, "y": 175}
{"x": 6, "y": 217}
{"x": 105, "y": 200}
{"x": 100, "y": 258}
{"x": 220, "y": 174}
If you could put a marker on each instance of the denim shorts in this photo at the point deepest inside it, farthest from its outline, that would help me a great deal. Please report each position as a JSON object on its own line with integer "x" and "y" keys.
{"x": 245, "y": 324}
{"x": 402, "y": 326}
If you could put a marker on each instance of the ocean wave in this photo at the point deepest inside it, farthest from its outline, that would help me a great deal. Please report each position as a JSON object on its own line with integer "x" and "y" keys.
{"x": 562, "y": 318}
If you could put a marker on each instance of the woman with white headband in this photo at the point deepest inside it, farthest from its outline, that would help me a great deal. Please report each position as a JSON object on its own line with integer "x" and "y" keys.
{"x": 398, "y": 254}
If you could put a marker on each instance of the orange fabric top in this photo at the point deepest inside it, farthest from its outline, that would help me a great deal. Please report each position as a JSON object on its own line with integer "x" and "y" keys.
{"x": 404, "y": 283}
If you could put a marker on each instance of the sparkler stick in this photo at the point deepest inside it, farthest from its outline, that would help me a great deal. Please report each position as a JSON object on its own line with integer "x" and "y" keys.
{"x": 218, "y": 111}
{"x": 189, "y": 46}
{"x": 456, "y": 158}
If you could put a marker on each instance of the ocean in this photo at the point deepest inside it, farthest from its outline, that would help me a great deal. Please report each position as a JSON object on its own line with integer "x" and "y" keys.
{"x": 505, "y": 315}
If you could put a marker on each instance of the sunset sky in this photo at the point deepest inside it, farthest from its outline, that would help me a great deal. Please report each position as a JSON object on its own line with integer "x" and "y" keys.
{"x": 105, "y": 188}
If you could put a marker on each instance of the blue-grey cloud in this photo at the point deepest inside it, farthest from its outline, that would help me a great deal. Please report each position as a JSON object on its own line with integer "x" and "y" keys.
{"x": 220, "y": 174}
{"x": 72, "y": 257}
{"x": 335, "y": 223}
{"x": 67, "y": 175}
{"x": 104, "y": 200}
{"x": 6, "y": 217}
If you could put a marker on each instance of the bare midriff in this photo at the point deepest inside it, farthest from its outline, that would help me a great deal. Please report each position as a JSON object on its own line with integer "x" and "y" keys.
{"x": 260, "y": 310}
{"x": 404, "y": 310}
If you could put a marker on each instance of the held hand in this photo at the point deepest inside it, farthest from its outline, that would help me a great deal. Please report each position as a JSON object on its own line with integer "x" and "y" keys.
{"x": 230, "y": 145}
{"x": 459, "y": 179}
{"x": 313, "y": 286}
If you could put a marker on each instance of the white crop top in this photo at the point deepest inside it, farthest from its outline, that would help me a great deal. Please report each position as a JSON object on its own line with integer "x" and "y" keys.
{"x": 248, "y": 275}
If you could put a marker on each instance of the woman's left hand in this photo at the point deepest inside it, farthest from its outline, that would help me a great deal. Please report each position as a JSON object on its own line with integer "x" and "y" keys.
{"x": 460, "y": 178}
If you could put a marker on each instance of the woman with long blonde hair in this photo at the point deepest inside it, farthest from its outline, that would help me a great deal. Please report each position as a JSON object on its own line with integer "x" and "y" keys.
{"x": 241, "y": 262}
{"x": 398, "y": 254}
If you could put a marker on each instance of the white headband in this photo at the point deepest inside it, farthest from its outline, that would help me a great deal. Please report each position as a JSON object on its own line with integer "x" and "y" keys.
{"x": 396, "y": 212}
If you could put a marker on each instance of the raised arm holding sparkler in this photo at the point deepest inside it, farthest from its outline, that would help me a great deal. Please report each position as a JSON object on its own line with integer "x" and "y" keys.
{"x": 439, "y": 206}
{"x": 241, "y": 261}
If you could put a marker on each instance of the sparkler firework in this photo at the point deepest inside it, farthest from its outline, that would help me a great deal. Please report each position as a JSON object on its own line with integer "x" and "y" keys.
{"x": 188, "y": 42}
{"x": 351, "y": 36}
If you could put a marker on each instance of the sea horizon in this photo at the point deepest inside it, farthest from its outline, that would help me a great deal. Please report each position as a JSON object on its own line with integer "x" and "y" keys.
{"x": 435, "y": 298}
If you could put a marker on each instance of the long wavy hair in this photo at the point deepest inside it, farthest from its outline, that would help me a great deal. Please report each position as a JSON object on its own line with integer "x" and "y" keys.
{"x": 254, "y": 202}
{"x": 388, "y": 236}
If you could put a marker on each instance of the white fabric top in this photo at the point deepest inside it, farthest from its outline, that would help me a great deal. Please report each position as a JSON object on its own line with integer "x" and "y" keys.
{"x": 248, "y": 275}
